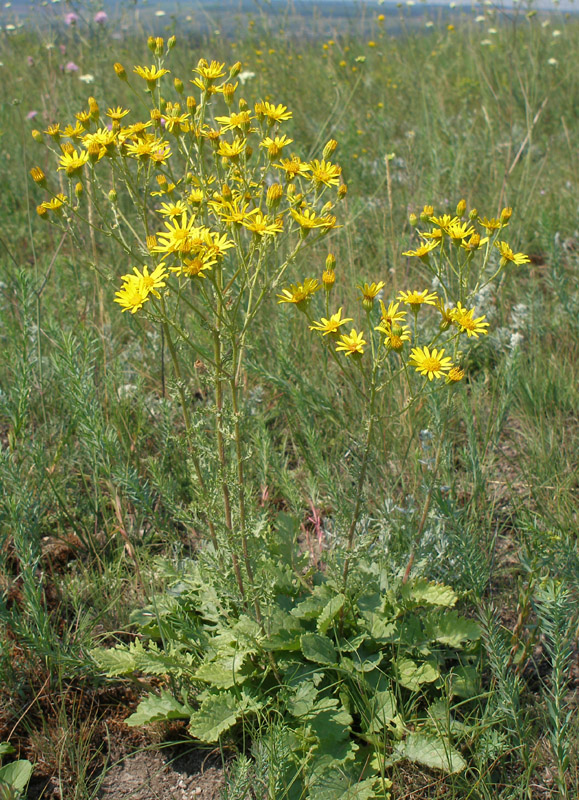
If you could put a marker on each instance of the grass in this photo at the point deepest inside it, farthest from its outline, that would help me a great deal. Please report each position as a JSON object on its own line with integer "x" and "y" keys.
{"x": 94, "y": 466}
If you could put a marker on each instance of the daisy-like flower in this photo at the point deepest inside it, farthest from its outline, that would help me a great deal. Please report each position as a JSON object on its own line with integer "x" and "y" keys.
{"x": 455, "y": 375}
{"x": 423, "y": 251}
{"x": 467, "y": 323}
{"x": 208, "y": 72}
{"x": 105, "y": 139}
{"x": 148, "y": 283}
{"x": 395, "y": 335}
{"x": 431, "y": 364}
{"x": 173, "y": 209}
{"x": 117, "y": 114}
{"x": 444, "y": 222}
{"x": 292, "y": 167}
{"x": 446, "y": 312}
{"x": 146, "y": 147}
{"x": 137, "y": 129}
{"x": 416, "y": 299}
{"x": 54, "y": 130}
{"x": 131, "y": 295}
{"x": 73, "y": 162}
{"x": 307, "y": 219}
{"x": 391, "y": 315}
{"x": 263, "y": 225}
{"x": 275, "y": 146}
{"x": 241, "y": 120}
{"x": 172, "y": 119}
{"x": 299, "y": 293}
{"x": 179, "y": 236}
{"x": 369, "y": 292}
{"x": 75, "y": 132}
{"x": 151, "y": 74}
{"x": 492, "y": 225}
{"x": 217, "y": 245}
{"x": 325, "y": 173}
{"x": 233, "y": 212}
{"x": 55, "y": 202}
{"x": 272, "y": 112}
{"x": 232, "y": 150}
{"x": 351, "y": 344}
{"x": 507, "y": 255}
{"x": 458, "y": 231}
{"x": 195, "y": 267}
{"x": 330, "y": 326}
{"x": 435, "y": 235}
{"x": 474, "y": 243}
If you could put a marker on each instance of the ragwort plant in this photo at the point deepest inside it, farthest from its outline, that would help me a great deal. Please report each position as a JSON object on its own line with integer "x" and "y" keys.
{"x": 213, "y": 208}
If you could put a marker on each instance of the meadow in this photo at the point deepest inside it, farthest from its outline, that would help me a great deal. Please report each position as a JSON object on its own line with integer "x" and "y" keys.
{"x": 248, "y": 550}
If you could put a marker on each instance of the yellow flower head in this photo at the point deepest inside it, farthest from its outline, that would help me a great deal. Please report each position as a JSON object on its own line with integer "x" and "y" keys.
{"x": 151, "y": 74}
{"x": 444, "y": 222}
{"x": 275, "y": 146}
{"x": 263, "y": 225}
{"x": 73, "y": 162}
{"x": 241, "y": 120}
{"x": 391, "y": 315}
{"x": 117, "y": 113}
{"x": 351, "y": 344}
{"x": 232, "y": 149}
{"x": 330, "y": 326}
{"x": 431, "y": 364}
{"x": 307, "y": 219}
{"x": 209, "y": 72}
{"x": 491, "y": 225}
{"x": 416, "y": 299}
{"x": 292, "y": 167}
{"x": 507, "y": 255}
{"x": 424, "y": 250}
{"x": 148, "y": 283}
{"x": 458, "y": 231}
{"x": 299, "y": 293}
{"x": 455, "y": 375}
{"x": 272, "y": 112}
{"x": 173, "y": 209}
{"x": 395, "y": 335}
{"x": 325, "y": 173}
{"x": 131, "y": 295}
{"x": 467, "y": 323}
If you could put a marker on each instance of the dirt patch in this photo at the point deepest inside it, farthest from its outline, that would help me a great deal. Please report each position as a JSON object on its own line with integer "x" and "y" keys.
{"x": 154, "y": 775}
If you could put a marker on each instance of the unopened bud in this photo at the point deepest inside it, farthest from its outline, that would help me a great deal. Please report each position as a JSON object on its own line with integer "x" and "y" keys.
{"x": 460, "y": 208}
{"x": 37, "y": 136}
{"x": 413, "y": 220}
{"x": 151, "y": 243}
{"x": 161, "y": 180}
{"x": 330, "y": 261}
{"x": 472, "y": 214}
{"x": 151, "y": 44}
{"x": 235, "y": 69}
{"x": 113, "y": 196}
{"x": 79, "y": 189}
{"x": 159, "y": 46}
{"x": 426, "y": 213}
{"x": 120, "y": 70}
{"x": 242, "y": 104}
{"x": 93, "y": 108}
{"x": 38, "y": 175}
{"x": 291, "y": 190}
{"x": 225, "y": 192}
{"x": 342, "y": 191}
{"x": 274, "y": 195}
{"x": 156, "y": 114}
{"x": 171, "y": 42}
{"x": 94, "y": 151}
{"x": 328, "y": 278}
{"x": 67, "y": 148}
{"x": 42, "y": 212}
{"x": 178, "y": 84}
{"x": 330, "y": 148}
{"x": 229, "y": 92}
{"x": 191, "y": 103}
{"x": 506, "y": 214}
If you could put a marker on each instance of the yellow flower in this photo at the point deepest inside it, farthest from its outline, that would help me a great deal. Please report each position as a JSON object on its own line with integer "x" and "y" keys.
{"x": 194, "y": 267}
{"x": 242, "y": 120}
{"x": 474, "y": 243}
{"x": 352, "y": 344}
{"x": 273, "y": 113}
{"x": 456, "y": 374}
{"x": 299, "y": 293}
{"x": 263, "y": 225}
{"x": 330, "y": 326}
{"x": 395, "y": 335}
{"x": 459, "y": 231}
{"x": 148, "y": 147}
{"x": 209, "y": 72}
{"x": 275, "y": 146}
{"x": 217, "y": 245}
{"x": 444, "y": 222}
{"x": 73, "y": 162}
{"x": 307, "y": 219}
{"x": 508, "y": 255}
{"x": 369, "y": 292}
{"x": 55, "y": 202}
{"x": 234, "y": 211}
{"x": 131, "y": 295}
{"x": 391, "y": 315}
{"x": 434, "y": 234}
{"x": 148, "y": 283}
{"x": 231, "y": 150}
{"x": 150, "y": 74}
{"x": 423, "y": 251}
{"x": 466, "y": 321}
{"x": 75, "y": 132}
{"x": 179, "y": 236}
{"x": 492, "y": 224}
{"x": 431, "y": 364}
{"x": 293, "y": 166}
{"x": 324, "y": 172}
{"x": 173, "y": 209}
{"x": 416, "y": 299}
{"x": 117, "y": 113}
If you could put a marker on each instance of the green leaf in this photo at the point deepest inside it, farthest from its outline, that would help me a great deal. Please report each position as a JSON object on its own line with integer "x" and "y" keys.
{"x": 6, "y": 748}
{"x": 422, "y": 592}
{"x": 343, "y": 787}
{"x": 465, "y": 682}
{"x": 330, "y": 612}
{"x": 303, "y": 700}
{"x": 452, "y": 630}
{"x": 223, "y": 673}
{"x": 114, "y": 662}
{"x": 312, "y": 606}
{"x": 16, "y": 775}
{"x": 218, "y": 713}
{"x": 382, "y": 711}
{"x": 318, "y": 649}
{"x": 157, "y": 708}
{"x": 433, "y": 752}
{"x": 412, "y": 676}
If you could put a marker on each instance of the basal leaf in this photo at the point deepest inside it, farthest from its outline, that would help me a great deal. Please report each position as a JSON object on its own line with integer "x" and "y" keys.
{"x": 423, "y": 592}
{"x": 452, "y": 630}
{"x": 218, "y": 713}
{"x": 431, "y": 751}
{"x": 157, "y": 708}
{"x": 382, "y": 711}
{"x": 115, "y": 661}
{"x": 330, "y": 611}
{"x": 318, "y": 648}
{"x": 412, "y": 675}
{"x": 16, "y": 775}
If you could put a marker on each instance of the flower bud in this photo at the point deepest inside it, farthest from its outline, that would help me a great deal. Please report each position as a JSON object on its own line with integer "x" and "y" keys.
{"x": 472, "y": 214}
{"x": 79, "y": 189}
{"x": 171, "y": 42}
{"x": 159, "y": 46}
{"x": 151, "y": 44}
{"x": 342, "y": 191}
{"x": 226, "y": 192}
{"x": 506, "y": 214}
{"x": 178, "y": 84}
{"x": 113, "y": 196}
{"x": 93, "y": 108}
{"x": 191, "y": 103}
{"x": 426, "y": 213}
{"x": 94, "y": 151}
{"x": 235, "y": 69}
{"x": 67, "y": 147}
{"x": 229, "y": 92}
{"x": 461, "y": 208}
{"x": 328, "y": 278}
{"x": 330, "y": 148}
{"x": 38, "y": 176}
{"x": 248, "y": 151}
{"x": 368, "y": 303}
{"x": 330, "y": 261}
{"x": 274, "y": 195}
{"x": 120, "y": 71}
{"x": 156, "y": 114}
{"x": 291, "y": 190}
{"x": 413, "y": 220}
{"x": 151, "y": 243}
{"x": 42, "y": 212}
{"x": 37, "y": 136}
{"x": 242, "y": 104}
